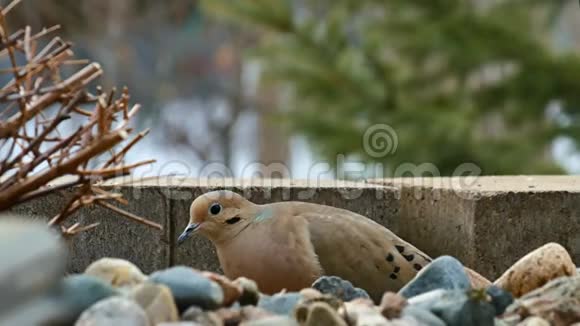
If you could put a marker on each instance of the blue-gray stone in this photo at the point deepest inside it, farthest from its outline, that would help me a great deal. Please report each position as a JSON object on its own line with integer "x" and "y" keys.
{"x": 424, "y": 317}
{"x": 33, "y": 259}
{"x": 189, "y": 287}
{"x": 457, "y": 307}
{"x": 77, "y": 293}
{"x": 445, "y": 272}
{"x": 500, "y": 299}
{"x": 281, "y": 303}
{"x": 339, "y": 288}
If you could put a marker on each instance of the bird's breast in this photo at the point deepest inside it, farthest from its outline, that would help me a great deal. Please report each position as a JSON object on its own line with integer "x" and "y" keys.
{"x": 274, "y": 261}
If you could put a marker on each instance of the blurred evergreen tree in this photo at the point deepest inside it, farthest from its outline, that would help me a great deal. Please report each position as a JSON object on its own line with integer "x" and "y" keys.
{"x": 459, "y": 81}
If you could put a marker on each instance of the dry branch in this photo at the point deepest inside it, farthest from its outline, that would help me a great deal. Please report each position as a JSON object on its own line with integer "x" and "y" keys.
{"x": 38, "y": 148}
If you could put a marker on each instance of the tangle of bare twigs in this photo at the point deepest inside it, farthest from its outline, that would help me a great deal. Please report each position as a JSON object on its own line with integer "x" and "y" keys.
{"x": 38, "y": 100}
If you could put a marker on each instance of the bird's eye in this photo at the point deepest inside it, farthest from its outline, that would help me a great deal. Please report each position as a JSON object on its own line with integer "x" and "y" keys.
{"x": 215, "y": 209}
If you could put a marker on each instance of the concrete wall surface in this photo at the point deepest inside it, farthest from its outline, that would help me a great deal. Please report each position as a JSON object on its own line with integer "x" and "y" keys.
{"x": 486, "y": 222}
{"x": 489, "y": 222}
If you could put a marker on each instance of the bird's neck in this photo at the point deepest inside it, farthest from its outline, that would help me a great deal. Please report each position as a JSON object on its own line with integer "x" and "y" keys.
{"x": 263, "y": 213}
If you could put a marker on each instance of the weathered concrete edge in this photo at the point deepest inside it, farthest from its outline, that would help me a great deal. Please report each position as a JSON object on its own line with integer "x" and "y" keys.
{"x": 468, "y": 224}
{"x": 507, "y": 217}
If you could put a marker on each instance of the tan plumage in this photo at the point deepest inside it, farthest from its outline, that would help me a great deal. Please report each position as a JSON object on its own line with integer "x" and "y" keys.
{"x": 288, "y": 245}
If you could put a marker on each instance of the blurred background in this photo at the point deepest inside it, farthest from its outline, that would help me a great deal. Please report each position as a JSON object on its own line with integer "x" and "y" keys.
{"x": 287, "y": 88}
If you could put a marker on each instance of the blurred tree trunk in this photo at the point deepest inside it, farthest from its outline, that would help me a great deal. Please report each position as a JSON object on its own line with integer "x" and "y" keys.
{"x": 273, "y": 141}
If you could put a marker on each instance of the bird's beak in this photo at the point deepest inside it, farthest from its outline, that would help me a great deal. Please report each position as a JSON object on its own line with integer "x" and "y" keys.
{"x": 187, "y": 232}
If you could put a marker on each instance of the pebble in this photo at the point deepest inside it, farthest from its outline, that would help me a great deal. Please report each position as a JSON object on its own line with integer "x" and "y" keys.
{"x": 534, "y": 321}
{"x": 77, "y": 293}
{"x": 473, "y": 310}
{"x": 331, "y": 300}
{"x": 157, "y": 301}
{"x": 254, "y": 313}
{"x": 392, "y": 304}
{"x": 310, "y": 294}
{"x": 458, "y": 307}
{"x": 319, "y": 313}
{"x": 304, "y": 308}
{"x": 117, "y": 272}
{"x": 280, "y": 303}
{"x": 423, "y": 317}
{"x": 272, "y": 321}
{"x": 340, "y": 288}
{"x": 235, "y": 316}
{"x": 180, "y": 323}
{"x": 232, "y": 291}
{"x": 445, "y": 272}
{"x": 556, "y": 302}
{"x": 536, "y": 269}
{"x": 362, "y": 312}
{"x": 197, "y": 315}
{"x": 500, "y": 299}
{"x": 189, "y": 287}
{"x": 114, "y": 311}
{"x": 250, "y": 293}
{"x": 501, "y": 322}
{"x": 426, "y": 299}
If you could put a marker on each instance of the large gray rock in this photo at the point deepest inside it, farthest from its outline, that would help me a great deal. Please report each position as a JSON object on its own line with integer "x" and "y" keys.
{"x": 32, "y": 259}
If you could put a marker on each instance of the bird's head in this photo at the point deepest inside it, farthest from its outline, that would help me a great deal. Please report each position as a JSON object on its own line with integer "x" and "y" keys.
{"x": 218, "y": 215}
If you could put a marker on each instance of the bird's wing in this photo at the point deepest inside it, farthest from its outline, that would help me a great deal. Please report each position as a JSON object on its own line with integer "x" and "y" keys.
{"x": 360, "y": 250}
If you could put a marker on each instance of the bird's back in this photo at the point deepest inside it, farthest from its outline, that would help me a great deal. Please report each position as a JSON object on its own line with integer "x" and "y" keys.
{"x": 356, "y": 248}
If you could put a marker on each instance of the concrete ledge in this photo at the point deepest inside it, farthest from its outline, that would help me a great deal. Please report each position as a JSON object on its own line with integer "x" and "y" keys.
{"x": 488, "y": 222}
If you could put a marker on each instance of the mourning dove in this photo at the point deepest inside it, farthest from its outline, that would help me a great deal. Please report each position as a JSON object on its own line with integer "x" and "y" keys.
{"x": 288, "y": 245}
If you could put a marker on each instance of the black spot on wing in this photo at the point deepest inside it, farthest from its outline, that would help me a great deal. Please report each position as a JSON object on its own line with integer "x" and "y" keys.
{"x": 393, "y": 276}
{"x": 409, "y": 257}
{"x": 397, "y": 269}
{"x": 390, "y": 257}
{"x": 400, "y": 248}
{"x": 417, "y": 267}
